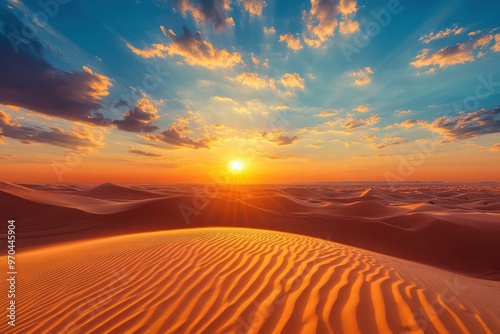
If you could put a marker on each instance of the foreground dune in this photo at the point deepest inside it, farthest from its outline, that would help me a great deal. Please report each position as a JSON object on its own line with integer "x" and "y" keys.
{"x": 234, "y": 280}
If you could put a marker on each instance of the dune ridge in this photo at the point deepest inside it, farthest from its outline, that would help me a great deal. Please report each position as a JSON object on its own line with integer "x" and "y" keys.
{"x": 234, "y": 280}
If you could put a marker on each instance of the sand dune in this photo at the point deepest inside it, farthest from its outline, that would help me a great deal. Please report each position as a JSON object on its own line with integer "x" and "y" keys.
{"x": 432, "y": 225}
{"x": 221, "y": 280}
{"x": 109, "y": 191}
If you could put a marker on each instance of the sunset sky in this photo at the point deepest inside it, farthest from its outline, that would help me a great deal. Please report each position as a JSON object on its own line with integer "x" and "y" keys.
{"x": 175, "y": 90}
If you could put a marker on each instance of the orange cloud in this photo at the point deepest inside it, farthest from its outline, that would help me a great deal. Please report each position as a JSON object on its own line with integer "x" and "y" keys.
{"x": 191, "y": 48}
{"x": 348, "y": 27}
{"x": 321, "y": 21}
{"x": 496, "y": 46}
{"x": 255, "y": 81}
{"x": 362, "y": 77}
{"x": 458, "y": 54}
{"x": 254, "y": 7}
{"x": 291, "y": 41}
{"x": 326, "y": 114}
{"x": 448, "y": 56}
{"x": 292, "y": 80}
{"x": 495, "y": 147}
{"x": 362, "y": 108}
{"x": 441, "y": 34}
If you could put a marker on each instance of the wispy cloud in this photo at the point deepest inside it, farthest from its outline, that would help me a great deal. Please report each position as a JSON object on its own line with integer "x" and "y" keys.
{"x": 432, "y": 36}
{"x": 78, "y": 138}
{"x": 474, "y": 124}
{"x": 143, "y": 153}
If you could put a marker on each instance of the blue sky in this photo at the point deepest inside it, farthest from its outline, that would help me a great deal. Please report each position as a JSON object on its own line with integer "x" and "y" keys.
{"x": 180, "y": 85}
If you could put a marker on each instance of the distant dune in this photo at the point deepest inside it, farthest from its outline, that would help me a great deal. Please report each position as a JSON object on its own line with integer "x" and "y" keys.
{"x": 234, "y": 280}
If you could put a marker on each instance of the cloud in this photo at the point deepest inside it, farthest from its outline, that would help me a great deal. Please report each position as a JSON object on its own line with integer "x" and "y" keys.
{"x": 143, "y": 153}
{"x": 28, "y": 81}
{"x": 495, "y": 147}
{"x": 78, "y": 139}
{"x": 348, "y": 27}
{"x": 354, "y": 123}
{"x": 453, "y": 55}
{"x": 292, "y": 80}
{"x": 280, "y": 107}
{"x": 326, "y": 114}
{"x": 254, "y": 7}
{"x": 292, "y": 42}
{"x": 192, "y": 49}
{"x": 482, "y": 41}
{"x": 269, "y": 31}
{"x": 362, "y": 77}
{"x": 260, "y": 82}
{"x": 139, "y": 118}
{"x": 362, "y": 108}
{"x": 203, "y": 11}
{"x": 456, "y": 30}
{"x": 496, "y": 46}
{"x": 277, "y": 136}
{"x": 323, "y": 18}
{"x": 175, "y": 135}
{"x": 474, "y": 124}
{"x": 254, "y": 80}
{"x": 224, "y": 99}
{"x": 388, "y": 141}
{"x": 402, "y": 112}
{"x": 368, "y": 137}
{"x": 409, "y": 123}
{"x": 448, "y": 56}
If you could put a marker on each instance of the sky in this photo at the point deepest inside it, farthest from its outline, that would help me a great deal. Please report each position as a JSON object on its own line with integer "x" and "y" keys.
{"x": 175, "y": 91}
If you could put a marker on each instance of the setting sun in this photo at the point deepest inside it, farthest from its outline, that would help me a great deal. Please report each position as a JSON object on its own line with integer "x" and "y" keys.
{"x": 236, "y": 166}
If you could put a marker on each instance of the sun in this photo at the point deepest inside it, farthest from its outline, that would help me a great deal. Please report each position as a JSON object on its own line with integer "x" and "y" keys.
{"x": 236, "y": 166}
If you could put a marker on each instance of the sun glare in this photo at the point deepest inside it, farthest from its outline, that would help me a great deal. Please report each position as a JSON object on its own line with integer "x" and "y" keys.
{"x": 236, "y": 166}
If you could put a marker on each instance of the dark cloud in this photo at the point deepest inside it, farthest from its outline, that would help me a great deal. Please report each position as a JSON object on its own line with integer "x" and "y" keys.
{"x": 139, "y": 118}
{"x": 75, "y": 139}
{"x": 174, "y": 135}
{"x": 277, "y": 137}
{"x": 27, "y": 80}
{"x": 143, "y": 153}
{"x": 477, "y": 123}
{"x": 213, "y": 11}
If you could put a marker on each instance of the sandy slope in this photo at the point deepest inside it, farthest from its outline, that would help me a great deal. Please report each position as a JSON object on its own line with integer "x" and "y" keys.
{"x": 450, "y": 226}
{"x": 225, "y": 280}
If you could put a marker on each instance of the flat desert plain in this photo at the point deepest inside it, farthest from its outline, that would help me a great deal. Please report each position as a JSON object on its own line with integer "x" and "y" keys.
{"x": 315, "y": 258}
